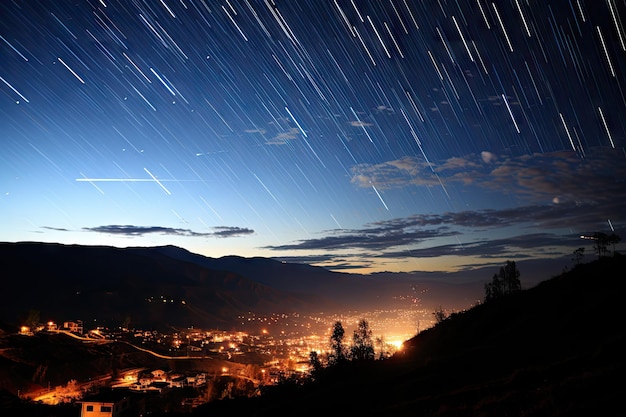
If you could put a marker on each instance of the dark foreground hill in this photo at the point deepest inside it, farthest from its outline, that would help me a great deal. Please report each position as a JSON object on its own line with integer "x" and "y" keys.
{"x": 554, "y": 350}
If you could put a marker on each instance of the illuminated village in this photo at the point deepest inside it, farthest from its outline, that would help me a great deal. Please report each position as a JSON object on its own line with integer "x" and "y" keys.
{"x": 217, "y": 364}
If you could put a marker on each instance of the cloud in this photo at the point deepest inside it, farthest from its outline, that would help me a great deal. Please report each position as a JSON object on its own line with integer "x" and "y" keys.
{"x": 359, "y": 123}
{"x": 559, "y": 193}
{"x": 419, "y": 235}
{"x": 399, "y": 173}
{"x": 510, "y": 247}
{"x": 555, "y": 176}
{"x": 228, "y": 231}
{"x": 488, "y": 157}
{"x": 56, "y": 229}
{"x": 284, "y": 137}
{"x": 384, "y": 109}
{"x": 306, "y": 259}
{"x": 373, "y": 238}
{"x": 330, "y": 261}
{"x": 131, "y": 230}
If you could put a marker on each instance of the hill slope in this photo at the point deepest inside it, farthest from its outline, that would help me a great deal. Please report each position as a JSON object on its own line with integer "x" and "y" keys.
{"x": 333, "y": 290}
{"x": 69, "y": 282}
{"x": 553, "y": 350}
{"x": 172, "y": 286}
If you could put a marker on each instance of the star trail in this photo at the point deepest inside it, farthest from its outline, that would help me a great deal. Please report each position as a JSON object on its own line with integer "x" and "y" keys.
{"x": 396, "y": 135}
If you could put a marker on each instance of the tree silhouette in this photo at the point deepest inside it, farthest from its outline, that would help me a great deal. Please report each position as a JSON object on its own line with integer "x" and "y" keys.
{"x": 362, "y": 343}
{"x": 316, "y": 363}
{"x": 613, "y": 240}
{"x": 338, "y": 350}
{"x": 578, "y": 255}
{"x": 439, "y": 314}
{"x": 380, "y": 342}
{"x": 506, "y": 282}
{"x": 600, "y": 243}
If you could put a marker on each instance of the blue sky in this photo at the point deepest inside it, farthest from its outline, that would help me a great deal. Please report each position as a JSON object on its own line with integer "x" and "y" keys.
{"x": 358, "y": 135}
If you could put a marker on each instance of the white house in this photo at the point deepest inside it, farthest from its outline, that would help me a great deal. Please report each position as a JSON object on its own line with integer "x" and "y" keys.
{"x": 115, "y": 403}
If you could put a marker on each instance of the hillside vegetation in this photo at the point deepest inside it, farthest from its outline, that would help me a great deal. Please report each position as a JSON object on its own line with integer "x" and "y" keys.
{"x": 552, "y": 350}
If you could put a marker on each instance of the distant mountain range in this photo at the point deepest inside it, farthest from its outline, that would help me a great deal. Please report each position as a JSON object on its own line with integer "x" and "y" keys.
{"x": 68, "y": 282}
{"x": 171, "y": 286}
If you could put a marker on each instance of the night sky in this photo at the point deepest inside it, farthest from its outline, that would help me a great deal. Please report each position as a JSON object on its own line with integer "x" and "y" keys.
{"x": 396, "y": 135}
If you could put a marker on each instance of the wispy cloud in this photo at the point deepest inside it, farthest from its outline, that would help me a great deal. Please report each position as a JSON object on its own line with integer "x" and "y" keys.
{"x": 370, "y": 239}
{"x": 420, "y": 235}
{"x": 56, "y": 229}
{"x": 384, "y": 109}
{"x": 511, "y": 247}
{"x": 360, "y": 123}
{"x": 284, "y": 137}
{"x": 229, "y": 231}
{"x": 132, "y": 230}
{"x": 331, "y": 261}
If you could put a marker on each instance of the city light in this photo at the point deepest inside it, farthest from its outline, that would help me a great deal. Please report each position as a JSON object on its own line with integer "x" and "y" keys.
{"x": 397, "y": 343}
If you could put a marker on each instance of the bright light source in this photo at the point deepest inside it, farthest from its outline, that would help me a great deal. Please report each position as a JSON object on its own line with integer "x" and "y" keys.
{"x": 397, "y": 343}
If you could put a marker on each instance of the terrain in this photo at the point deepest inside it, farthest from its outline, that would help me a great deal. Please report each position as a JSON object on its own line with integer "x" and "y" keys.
{"x": 71, "y": 282}
{"x": 170, "y": 287}
{"x": 552, "y": 350}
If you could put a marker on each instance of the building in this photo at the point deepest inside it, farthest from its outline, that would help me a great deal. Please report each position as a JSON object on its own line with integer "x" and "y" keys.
{"x": 112, "y": 403}
{"x": 159, "y": 375}
{"x": 73, "y": 326}
{"x": 178, "y": 381}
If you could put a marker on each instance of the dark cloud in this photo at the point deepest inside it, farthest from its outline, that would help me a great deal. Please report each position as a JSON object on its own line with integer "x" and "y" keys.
{"x": 376, "y": 239}
{"x": 306, "y": 259}
{"x": 556, "y": 176}
{"x": 405, "y": 237}
{"x": 228, "y": 231}
{"x": 56, "y": 229}
{"x": 510, "y": 247}
{"x": 330, "y": 261}
{"x": 562, "y": 189}
{"x": 131, "y": 230}
{"x": 348, "y": 265}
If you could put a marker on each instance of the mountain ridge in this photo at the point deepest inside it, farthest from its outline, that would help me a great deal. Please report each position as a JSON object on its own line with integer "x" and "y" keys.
{"x": 83, "y": 281}
{"x": 118, "y": 281}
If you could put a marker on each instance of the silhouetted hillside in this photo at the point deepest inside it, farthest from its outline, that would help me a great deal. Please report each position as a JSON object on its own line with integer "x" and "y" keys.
{"x": 552, "y": 350}
{"x": 69, "y": 282}
{"x": 170, "y": 286}
{"x": 335, "y": 289}
{"x": 311, "y": 282}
